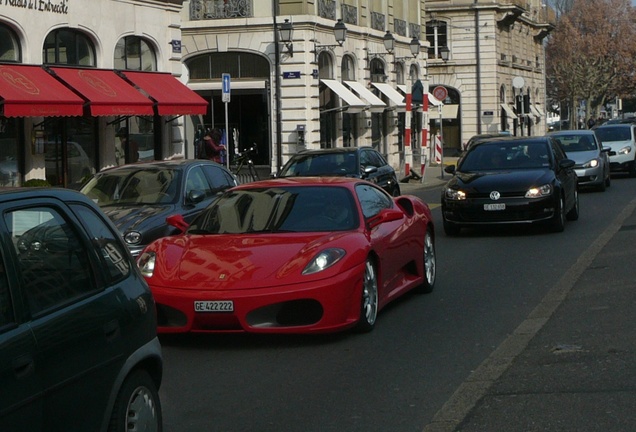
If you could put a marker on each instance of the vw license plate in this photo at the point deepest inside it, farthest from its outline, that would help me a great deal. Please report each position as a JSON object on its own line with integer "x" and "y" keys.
{"x": 494, "y": 207}
{"x": 214, "y": 306}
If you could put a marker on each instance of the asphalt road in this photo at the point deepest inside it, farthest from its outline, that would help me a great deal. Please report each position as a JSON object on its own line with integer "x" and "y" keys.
{"x": 397, "y": 377}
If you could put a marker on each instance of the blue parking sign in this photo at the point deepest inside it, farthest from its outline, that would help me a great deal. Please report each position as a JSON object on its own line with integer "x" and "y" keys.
{"x": 226, "y": 87}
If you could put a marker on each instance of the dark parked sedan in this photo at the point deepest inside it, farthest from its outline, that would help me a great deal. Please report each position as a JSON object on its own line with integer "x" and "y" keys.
{"x": 77, "y": 321}
{"x": 591, "y": 158}
{"x": 511, "y": 181}
{"x": 360, "y": 162}
{"x": 139, "y": 197}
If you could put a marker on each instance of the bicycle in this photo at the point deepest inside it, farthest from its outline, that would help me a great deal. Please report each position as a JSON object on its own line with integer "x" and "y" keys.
{"x": 244, "y": 159}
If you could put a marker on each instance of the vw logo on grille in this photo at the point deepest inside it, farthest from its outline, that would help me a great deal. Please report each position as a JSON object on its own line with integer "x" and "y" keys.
{"x": 494, "y": 195}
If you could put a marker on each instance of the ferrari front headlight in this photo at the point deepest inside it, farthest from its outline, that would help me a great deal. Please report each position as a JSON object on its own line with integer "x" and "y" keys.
{"x": 146, "y": 263}
{"x": 324, "y": 260}
{"x": 538, "y": 192}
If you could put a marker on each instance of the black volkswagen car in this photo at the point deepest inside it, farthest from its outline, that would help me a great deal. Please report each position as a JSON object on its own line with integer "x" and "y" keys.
{"x": 139, "y": 197}
{"x": 360, "y": 162}
{"x": 511, "y": 181}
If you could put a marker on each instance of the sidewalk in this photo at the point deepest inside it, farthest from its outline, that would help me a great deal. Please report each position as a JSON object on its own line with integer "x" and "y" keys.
{"x": 571, "y": 365}
{"x": 432, "y": 177}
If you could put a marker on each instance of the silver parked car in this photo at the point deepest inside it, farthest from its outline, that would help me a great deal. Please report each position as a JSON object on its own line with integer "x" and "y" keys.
{"x": 592, "y": 159}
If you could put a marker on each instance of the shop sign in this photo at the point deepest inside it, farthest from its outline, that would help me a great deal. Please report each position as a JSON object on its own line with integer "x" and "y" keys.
{"x": 58, "y": 7}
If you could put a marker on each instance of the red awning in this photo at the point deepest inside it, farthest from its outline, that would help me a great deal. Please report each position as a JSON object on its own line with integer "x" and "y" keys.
{"x": 30, "y": 91}
{"x": 108, "y": 94}
{"x": 173, "y": 97}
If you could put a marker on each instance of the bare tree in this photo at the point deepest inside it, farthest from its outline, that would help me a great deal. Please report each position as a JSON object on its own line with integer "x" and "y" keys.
{"x": 589, "y": 56}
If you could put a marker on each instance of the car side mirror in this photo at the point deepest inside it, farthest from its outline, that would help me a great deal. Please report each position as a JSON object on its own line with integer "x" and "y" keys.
{"x": 566, "y": 163}
{"x": 178, "y": 222}
{"x": 368, "y": 169}
{"x": 195, "y": 196}
{"x": 450, "y": 169}
{"x": 386, "y": 215}
{"x": 607, "y": 150}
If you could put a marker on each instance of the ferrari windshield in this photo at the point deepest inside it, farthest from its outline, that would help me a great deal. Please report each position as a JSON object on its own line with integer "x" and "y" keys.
{"x": 280, "y": 209}
{"x": 503, "y": 155}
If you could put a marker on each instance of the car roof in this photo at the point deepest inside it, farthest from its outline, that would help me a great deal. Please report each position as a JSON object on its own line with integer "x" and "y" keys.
{"x": 303, "y": 181}
{"x": 333, "y": 150}
{"x": 177, "y": 163}
{"x": 573, "y": 132}
{"x": 8, "y": 194}
{"x": 512, "y": 140}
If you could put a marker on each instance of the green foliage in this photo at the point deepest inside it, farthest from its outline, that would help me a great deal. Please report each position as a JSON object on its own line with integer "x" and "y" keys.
{"x": 36, "y": 183}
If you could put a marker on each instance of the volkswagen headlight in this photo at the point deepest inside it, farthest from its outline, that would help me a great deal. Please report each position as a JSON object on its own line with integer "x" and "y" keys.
{"x": 538, "y": 192}
{"x": 132, "y": 237}
{"x": 625, "y": 150}
{"x": 455, "y": 194}
{"x": 591, "y": 164}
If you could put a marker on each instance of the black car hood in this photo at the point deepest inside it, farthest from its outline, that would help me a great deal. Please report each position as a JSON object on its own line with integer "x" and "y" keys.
{"x": 502, "y": 181}
{"x": 127, "y": 218}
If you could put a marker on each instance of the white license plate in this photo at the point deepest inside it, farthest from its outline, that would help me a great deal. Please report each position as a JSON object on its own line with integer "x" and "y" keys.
{"x": 214, "y": 306}
{"x": 494, "y": 207}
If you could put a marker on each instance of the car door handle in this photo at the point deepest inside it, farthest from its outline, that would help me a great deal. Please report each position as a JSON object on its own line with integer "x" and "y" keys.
{"x": 23, "y": 366}
{"x": 111, "y": 330}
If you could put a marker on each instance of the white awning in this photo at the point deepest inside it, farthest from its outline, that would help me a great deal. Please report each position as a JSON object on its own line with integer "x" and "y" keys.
{"x": 354, "y": 104}
{"x": 432, "y": 100}
{"x": 394, "y": 96}
{"x": 449, "y": 111}
{"x": 374, "y": 103}
{"x": 509, "y": 111}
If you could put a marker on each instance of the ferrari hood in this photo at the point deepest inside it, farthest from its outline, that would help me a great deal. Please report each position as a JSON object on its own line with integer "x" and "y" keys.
{"x": 240, "y": 261}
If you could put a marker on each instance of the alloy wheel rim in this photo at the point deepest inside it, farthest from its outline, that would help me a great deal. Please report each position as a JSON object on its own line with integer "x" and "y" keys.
{"x": 429, "y": 259}
{"x": 370, "y": 294}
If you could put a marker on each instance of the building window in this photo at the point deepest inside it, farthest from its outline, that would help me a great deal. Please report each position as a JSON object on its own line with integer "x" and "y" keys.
{"x": 238, "y": 65}
{"x": 348, "y": 71}
{"x": 10, "y": 174}
{"x": 68, "y": 47}
{"x": 9, "y": 45}
{"x": 437, "y": 37}
{"x": 134, "y": 53}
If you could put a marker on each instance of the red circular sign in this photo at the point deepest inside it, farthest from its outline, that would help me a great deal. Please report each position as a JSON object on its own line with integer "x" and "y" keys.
{"x": 440, "y": 93}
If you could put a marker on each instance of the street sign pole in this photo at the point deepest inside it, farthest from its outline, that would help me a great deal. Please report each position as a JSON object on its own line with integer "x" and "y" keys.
{"x": 226, "y": 100}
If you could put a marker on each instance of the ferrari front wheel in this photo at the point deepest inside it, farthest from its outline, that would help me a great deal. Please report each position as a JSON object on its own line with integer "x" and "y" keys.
{"x": 369, "y": 302}
{"x": 430, "y": 263}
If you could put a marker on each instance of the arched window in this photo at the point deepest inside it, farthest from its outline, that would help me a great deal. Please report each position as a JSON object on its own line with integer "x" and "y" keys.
{"x": 68, "y": 47}
{"x": 9, "y": 45}
{"x": 348, "y": 71}
{"x": 399, "y": 73}
{"x": 134, "y": 53}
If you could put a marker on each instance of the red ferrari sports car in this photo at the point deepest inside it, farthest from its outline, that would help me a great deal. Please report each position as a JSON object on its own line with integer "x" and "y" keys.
{"x": 292, "y": 255}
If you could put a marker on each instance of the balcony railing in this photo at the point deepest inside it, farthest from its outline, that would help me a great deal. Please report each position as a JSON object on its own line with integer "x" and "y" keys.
{"x": 218, "y": 9}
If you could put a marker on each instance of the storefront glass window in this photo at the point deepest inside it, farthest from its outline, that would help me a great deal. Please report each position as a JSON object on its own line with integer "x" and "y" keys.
{"x": 70, "y": 165}
{"x": 68, "y": 47}
{"x": 9, "y": 166}
{"x": 134, "y": 140}
{"x": 9, "y": 46}
{"x": 134, "y": 53}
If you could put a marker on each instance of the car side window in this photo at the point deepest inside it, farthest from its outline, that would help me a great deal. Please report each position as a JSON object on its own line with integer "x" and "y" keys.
{"x": 54, "y": 268}
{"x": 6, "y": 306}
{"x": 196, "y": 180}
{"x": 559, "y": 154}
{"x": 113, "y": 256}
{"x": 372, "y": 200}
{"x": 217, "y": 177}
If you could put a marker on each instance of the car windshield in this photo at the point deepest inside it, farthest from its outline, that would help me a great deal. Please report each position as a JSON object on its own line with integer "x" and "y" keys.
{"x": 280, "y": 209}
{"x": 135, "y": 186}
{"x": 497, "y": 156}
{"x": 576, "y": 142}
{"x": 328, "y": 164}
{"x": 614, "y": 133}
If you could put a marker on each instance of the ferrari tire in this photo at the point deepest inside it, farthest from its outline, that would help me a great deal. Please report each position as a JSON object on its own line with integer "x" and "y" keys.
{"x": 558, "y": 221}
{"x": 137, "y": 406}
{"x": 369, "y": 301}
{"x": 573, "y": 214}
{"x": 430, "y": 264}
